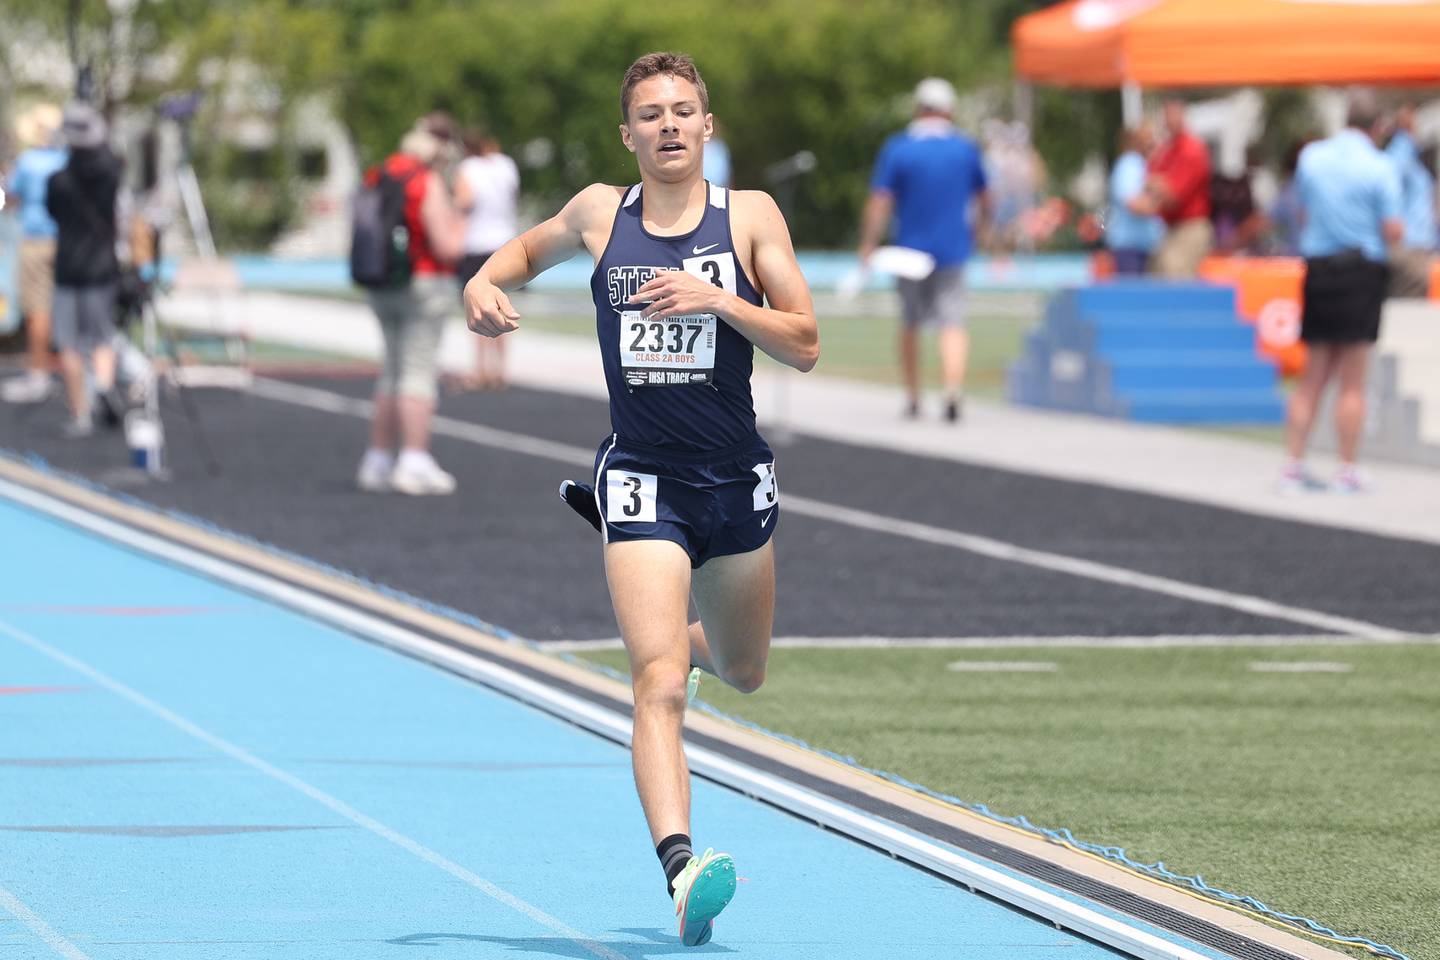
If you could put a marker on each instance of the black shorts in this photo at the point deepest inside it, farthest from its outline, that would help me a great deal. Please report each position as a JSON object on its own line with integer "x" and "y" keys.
{"x": 1343, "y": 297}
{"x": 712, "y": 504}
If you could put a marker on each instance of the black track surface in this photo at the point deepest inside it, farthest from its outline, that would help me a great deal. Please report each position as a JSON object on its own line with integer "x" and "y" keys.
{"x": 507, "y": 551}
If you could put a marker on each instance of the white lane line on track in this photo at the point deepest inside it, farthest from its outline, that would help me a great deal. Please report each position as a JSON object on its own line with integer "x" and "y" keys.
{"x": 17, "y": 909}
{"x": 338, "y": 806}
{"x": 865, "y": 520}
{"x": 1174, "y": 641}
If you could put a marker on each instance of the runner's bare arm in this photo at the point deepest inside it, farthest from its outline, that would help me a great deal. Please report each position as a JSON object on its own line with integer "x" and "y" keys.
{"x": 786, "y": 328}
{"x": 488, "y": 310}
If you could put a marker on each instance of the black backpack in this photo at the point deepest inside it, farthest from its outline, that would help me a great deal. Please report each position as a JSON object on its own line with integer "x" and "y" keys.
{"x": 380, "y": 237}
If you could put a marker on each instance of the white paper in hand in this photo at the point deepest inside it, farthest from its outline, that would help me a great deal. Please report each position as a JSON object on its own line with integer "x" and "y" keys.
{"x": 903, "y": 262}
{"x": 896, "y": 261}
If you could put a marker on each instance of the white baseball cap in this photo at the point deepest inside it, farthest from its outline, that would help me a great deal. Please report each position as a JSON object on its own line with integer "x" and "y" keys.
{"x": 936, "y": 94}
{"x": 83, "y": 126}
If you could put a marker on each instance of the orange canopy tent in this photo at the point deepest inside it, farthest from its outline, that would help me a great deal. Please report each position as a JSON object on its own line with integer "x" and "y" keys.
{"x": 1191, "y": 43}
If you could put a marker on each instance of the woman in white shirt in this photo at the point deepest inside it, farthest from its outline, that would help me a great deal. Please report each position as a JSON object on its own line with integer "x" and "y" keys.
{"x": 487, "y": 186}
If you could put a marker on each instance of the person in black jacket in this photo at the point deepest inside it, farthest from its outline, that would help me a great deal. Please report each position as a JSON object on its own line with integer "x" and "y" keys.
{"x": 81, "y": 199}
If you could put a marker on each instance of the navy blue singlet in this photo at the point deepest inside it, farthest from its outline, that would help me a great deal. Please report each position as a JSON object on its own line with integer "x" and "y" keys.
{"x": 683, "y": 383}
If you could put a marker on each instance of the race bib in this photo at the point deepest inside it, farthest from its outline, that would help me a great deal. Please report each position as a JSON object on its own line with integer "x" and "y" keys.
{"x": 765, "y": 493}
{"x": 630, "y": 496}
{"x": 667, "y": 352}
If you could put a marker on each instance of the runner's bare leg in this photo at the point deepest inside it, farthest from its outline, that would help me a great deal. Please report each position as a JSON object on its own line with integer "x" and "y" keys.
{"x": 736, "y": 599}
{"x": 650, "y": 591}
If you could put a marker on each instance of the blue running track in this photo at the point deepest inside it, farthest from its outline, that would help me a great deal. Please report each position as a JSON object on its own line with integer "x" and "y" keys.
{"x": 187, "y": 771}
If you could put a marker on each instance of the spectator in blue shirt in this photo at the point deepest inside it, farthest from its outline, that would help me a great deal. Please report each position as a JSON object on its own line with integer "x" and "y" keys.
{"x": 1410, "y": 260}
{"x": 925, "y": 179}
{"x": 39, "y": 130}
{"x": 1350, "y": 196}
{"x": 1130, "y": 233}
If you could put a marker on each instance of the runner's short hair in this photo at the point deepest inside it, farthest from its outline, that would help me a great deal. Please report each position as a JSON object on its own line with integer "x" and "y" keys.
{"x": 655, "y": 64}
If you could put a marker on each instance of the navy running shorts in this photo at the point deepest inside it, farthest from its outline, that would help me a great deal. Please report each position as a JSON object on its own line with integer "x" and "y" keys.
{"x": 712, "y": 504}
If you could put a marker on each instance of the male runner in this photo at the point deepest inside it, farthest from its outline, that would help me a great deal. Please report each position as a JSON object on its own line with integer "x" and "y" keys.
{"x": 684, "y": 491}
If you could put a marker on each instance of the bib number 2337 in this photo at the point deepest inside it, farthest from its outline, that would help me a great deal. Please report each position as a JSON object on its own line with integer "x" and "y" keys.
{"x": 664, "y": 352}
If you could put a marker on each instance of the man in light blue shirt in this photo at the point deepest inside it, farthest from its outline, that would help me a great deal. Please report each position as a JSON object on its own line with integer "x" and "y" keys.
{"x": 39, "y": 130}
{"x": 925, "y": 179}
{"x": 1349, "y": 191}
{"x": 1410, "y": 261}
{"x": 1131, "y": 236}
{"x": 1350, "y": 197}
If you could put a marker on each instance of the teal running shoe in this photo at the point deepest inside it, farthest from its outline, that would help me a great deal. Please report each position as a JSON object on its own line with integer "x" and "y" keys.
{"x": 692, "y": 685}
{"x": 703, "y": 889}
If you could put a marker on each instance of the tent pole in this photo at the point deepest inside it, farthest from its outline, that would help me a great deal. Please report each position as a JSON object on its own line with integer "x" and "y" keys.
{"x": 1024, "y": 103}
{"x": 1131, "y": 104}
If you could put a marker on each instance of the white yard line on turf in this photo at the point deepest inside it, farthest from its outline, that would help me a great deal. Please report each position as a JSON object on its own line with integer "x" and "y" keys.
{"x": 1002, "y": 666}
{"x": 1320, "y": 666}
{"x": 17, "y": 909}
{"x": 866, "y": 520}
{"x": 1112, "y": 930}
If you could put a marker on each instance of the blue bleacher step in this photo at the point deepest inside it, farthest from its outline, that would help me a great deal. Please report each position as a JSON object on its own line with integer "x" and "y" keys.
{"x": 1203, "y": 406}
{"x": 1156, "y": 318}
{"x": 1139, "y": 331}
{"x": 1232, "y": 336}
{"x": 1156, "y": 296}
{"x": 1132, "y": 370}
{"x": 1179, "y": 337}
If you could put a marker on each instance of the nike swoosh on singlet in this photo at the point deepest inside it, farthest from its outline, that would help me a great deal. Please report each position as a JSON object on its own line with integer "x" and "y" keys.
{"x": 699, "y": 250}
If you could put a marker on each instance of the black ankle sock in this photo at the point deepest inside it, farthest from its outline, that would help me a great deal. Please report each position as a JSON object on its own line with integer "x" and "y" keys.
{"x": 674, "y": 852}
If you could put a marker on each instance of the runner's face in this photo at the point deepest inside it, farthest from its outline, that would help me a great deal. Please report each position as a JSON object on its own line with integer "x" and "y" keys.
{"x": 667, "y": 127}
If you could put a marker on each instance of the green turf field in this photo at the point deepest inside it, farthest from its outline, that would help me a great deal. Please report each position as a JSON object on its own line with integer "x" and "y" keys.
{"x": 1315, "y": 792}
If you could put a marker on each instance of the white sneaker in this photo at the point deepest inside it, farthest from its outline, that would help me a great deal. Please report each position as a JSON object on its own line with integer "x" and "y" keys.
{"x": 32, "y": 387}
{"x": 1297, "y": 481}
{"x": 420, "y": 476}
{"x": 373, "y": 475}
{"x": 1352, "y": 480}
{"x": 78, "y": 428}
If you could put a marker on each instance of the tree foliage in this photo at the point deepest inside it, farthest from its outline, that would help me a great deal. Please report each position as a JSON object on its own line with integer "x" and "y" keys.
{"x": 828, "y": 76}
